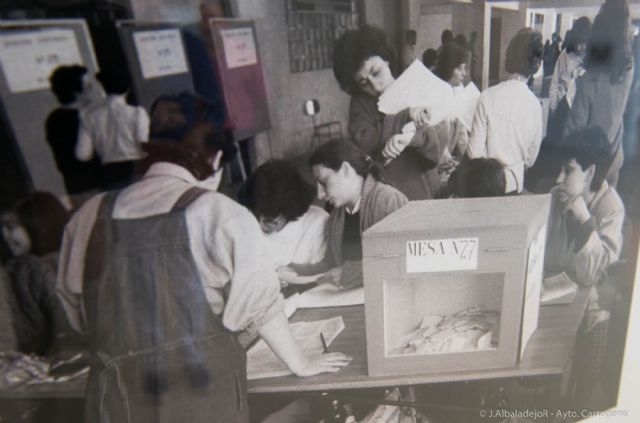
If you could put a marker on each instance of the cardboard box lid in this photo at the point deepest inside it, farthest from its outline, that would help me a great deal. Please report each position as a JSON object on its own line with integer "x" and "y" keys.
{"x": 529, "y": 212}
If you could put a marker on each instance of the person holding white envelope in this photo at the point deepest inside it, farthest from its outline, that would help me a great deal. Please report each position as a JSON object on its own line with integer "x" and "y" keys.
{"x": 363, "y": 64}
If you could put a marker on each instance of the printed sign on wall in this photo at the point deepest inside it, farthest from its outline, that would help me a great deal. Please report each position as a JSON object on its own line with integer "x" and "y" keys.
{"x": 160, "y": 53}
{"x": 442, "y": 255}
{"x": 239, "y": 47}
{"x": 29, "y": 58}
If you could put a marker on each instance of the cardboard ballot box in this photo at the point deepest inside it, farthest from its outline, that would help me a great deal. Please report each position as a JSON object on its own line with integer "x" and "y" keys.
{"x": 453, "y": 284}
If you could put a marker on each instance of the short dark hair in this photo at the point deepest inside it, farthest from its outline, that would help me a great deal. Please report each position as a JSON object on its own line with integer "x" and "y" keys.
{"x": 66, "y": 82}
{"x": 44, "y": 219}
{"x": 461, "y": 40}
{"x": 353, "y": 48}
{"x": 609, "y": 47}
{"x": 524, "y": 52}
{"x": 430, "y": 57}
{"x": 588, "y": 146}
{"x": 195, "y": 152}
{"x": 578, "y": 34}
{"x": 450, "y": 57}
{"x": 446, "y": 36}
{"x": 114, "y": 81}
{"x": 481, "y": 177}
{"x": 277, "y": 188}
{"x": 333, "y": 153}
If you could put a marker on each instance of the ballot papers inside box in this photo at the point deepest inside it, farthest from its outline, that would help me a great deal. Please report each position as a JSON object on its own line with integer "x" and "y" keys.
{"x": 453, "y": 284}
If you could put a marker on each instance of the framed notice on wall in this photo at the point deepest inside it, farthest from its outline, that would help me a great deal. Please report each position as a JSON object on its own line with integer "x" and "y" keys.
{"x": 28, "y": 58}
{"x": 156, "y": 59}
{"x": 237, "y": 58}
{"x": 160, "y": 52}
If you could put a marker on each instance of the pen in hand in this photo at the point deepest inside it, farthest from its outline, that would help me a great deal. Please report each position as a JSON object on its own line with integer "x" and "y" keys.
{"x": 324, "y": 344}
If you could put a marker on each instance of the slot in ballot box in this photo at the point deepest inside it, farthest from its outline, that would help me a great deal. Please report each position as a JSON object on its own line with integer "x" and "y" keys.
{"x": 453, "y": 284}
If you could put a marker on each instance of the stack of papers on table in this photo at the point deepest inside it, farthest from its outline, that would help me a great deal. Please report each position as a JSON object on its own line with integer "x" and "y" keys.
{"x": 558, "y": 289}
{"x": 419, "y": 87}
{"x": 262, "y": 362}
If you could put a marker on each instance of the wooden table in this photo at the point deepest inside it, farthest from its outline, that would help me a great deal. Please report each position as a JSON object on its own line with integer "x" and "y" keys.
{"x": 548, "y": 354}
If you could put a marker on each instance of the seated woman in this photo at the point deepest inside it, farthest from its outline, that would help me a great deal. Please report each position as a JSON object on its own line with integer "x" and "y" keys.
{"x": 281, "y": 200}
{"x": 354, "y": 186}
{"x": 363, "y": 61}
{"x": 508, "y": 121}
{"x": 478, "y": 178}
{"x": 33, "y": 230}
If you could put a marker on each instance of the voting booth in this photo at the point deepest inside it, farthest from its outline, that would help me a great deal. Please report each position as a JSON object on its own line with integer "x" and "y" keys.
{"x": 29, "y": 51}
{"x": 453, "y": 284}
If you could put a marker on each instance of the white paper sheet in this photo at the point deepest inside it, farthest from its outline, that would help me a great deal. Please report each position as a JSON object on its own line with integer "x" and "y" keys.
{"x": 558, "y": 289}
{"x": 28, "y": 59}
{"x": 418, "y": 87}
{"x": 262, "y": 362}
{"x": 466, "y": 102}
{"x": 239, "y": 47}
{"x": 160, "y": 53}
{"x": 327, "y": 295}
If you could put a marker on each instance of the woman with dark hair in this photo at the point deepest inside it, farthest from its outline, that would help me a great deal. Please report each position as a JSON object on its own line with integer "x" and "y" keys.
{"x": 602, "y": 92}
{"x": 508, "y": 121}
{"x": 363, "y": 64}
{"x": 72, "y": 87}
{"x": 569, "y": 63}
{"x": 451, "y": 65}
{"x": 353, "y": 184}
{"x": 33, "y": 230}
{"x": 568, "y": 68}
{"x": 281, "y": 200}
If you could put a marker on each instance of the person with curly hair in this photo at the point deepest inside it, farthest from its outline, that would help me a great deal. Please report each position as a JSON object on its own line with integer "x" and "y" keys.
{"x": 281, "y": 200}
{"x": 71, "y": 86}
{"x": 363, "y": 63}
{"x": 508, "y": 121}
{"x": 602, "y": 92}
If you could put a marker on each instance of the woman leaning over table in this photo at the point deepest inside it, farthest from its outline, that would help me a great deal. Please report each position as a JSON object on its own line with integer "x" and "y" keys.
{"x": 363, "y": 64}
{"x": 350, "y": 181}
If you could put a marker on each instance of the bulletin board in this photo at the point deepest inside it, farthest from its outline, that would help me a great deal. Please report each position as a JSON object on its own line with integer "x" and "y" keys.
{"x": 29, "y": 51}
{"x": 156, "y": 59}
{"x": 241, "y": 77}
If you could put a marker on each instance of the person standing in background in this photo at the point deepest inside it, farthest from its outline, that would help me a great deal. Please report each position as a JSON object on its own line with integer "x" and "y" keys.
{"x": 569, "y": 63}
{"x": 408, "y": 54}
{"x": 72, "y": 87}
{"x": 602, "y": 92}
{"x": 508, "y": 121}
{"x": 114, "y": 131}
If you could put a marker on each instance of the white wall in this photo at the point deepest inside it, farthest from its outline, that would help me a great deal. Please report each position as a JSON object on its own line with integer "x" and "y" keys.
{"x": 429, "y": 29}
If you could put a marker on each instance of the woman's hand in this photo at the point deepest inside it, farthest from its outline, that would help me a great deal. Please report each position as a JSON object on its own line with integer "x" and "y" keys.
{"x": 287, "y": 275}
{"x": 396, "y": 145}
{"x": 333, "y": 276}
{"x": 322, "y": 363}
{"x": 420, "y": 115}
